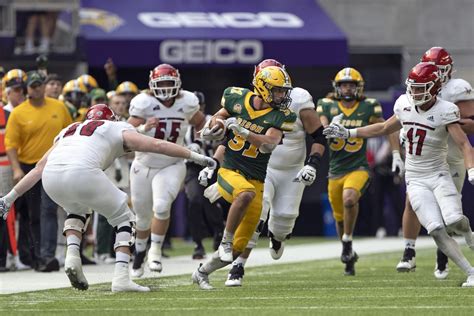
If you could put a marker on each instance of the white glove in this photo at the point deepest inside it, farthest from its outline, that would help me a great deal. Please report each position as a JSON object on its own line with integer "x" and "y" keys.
{"x": 203, "y": 160}
{"x": 214, "y": 133}
{"x": 335, "y": 130}
{"x": 4, "y": 208}
{"x": 195, "y": 147}
{"x": 212, "y": 193}
{"x": 205, "y": 175}
{"x": 470, "y": 175}
{"x": 306, "y": 175}
{"x": 397, "y": 163}
{"x": 232, "y": 124}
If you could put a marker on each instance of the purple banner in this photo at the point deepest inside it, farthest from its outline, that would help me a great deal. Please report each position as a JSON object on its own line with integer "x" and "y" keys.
{"x": 204, "y": 32}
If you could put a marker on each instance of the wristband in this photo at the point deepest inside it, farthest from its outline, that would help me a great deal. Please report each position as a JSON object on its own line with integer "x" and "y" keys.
{"x": 314, "y": 161}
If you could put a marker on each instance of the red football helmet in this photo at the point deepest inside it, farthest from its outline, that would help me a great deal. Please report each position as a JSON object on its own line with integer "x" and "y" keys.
{"x": 423, "y": 83}
{"x": 442, "y": 59}
{"x": 265, "y": 63}
{"x": 100, "y": 112}
{"x": 163, "y": 73}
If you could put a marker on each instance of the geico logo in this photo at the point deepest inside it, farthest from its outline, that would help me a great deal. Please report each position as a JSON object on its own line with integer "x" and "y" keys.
{"x": 205, "y": 51}
{"x": 220, "y": 20}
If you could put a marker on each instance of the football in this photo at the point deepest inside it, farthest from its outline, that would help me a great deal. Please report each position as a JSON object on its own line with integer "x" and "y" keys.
{"x": 215, "y": 120}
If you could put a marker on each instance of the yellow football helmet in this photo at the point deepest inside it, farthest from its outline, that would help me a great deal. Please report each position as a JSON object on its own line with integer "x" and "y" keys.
{"x": 270, "y": 80}
{"x": 127, "y": 87}
{"x": 15, "y": 77}
{"x": 75, "y": 92}
{"x": 348, "y": 75}
{"x": 88, "y": 81}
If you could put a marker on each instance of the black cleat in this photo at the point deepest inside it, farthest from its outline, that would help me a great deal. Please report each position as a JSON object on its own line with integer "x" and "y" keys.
{"x": 408, "y": 262}
{"x": 199, "y": 253}
{"x": 350, "y": 266}
{"x": 347, "y": 253}
{"x": 235, "y": 276}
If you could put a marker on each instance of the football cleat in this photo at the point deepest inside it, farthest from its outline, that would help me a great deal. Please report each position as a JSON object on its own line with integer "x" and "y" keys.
{"x": 441, "y": 269}
{"x": 122, "y": 283}
{"x": 225, "y": 252}
{"x": 350, "y": 266}
{"x": 235, "y": 276}
{"x": 73, "y": 269}
{"x": 198, "y": 253}
{"x": 347, "y": 253}
{"x": 276, "y": 248}
{"x": 201, "y": 279}
{"x": 469, "y": 282}
{"x": 138, "y": 267}
{"x": 408, "y": 262}
{"x": 154, "y": 257}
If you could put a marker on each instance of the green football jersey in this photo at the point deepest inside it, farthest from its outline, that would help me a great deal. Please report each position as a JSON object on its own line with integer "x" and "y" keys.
{"x": 239, "y": 153}
{"x": 347, "y": 155}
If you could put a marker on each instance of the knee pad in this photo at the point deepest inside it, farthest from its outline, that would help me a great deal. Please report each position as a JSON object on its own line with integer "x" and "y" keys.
{"x": 461, "y": 226}
{"x": 125, "y": 236}
{"x": 162, "y": 209}
{"x": 253, "y": 241}
{"x": 76, "y": 222}
{"x": 281, "y": 227}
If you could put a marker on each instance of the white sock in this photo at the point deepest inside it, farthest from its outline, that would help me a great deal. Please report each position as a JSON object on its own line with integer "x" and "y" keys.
{"x": 240, "y": 260}
{"x": 140, "y": 244}
{"x": 227, "y": 236}
{"x": 73, "y": 245}
{"x": 157, "y": 238}
{"x": 346, "y": 237}
{"x": 409, "y": 243}
{"x": 122, "y": 257}
{"x": 213, "y": 264}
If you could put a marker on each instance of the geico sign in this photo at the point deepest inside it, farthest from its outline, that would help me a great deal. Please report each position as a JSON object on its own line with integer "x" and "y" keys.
{"x": 217, "y": 20}
{"x": 215, "y": 51}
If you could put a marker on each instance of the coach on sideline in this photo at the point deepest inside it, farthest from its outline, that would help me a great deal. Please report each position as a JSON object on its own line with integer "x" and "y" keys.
{"x": 30, "y": 132}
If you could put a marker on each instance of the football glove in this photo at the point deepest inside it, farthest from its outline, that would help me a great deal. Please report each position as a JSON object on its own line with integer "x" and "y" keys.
{"x": 306, "y": 175}
{"x": 214, "y": 133}
{"x": 397, "y": 163}
{"x": 470, "y": 175}
{"x": 4, "y": 208}
{"x": 232, "y": 124}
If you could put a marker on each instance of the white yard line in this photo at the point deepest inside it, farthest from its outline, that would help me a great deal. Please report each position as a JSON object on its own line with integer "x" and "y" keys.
{"x": 26, "y": 281}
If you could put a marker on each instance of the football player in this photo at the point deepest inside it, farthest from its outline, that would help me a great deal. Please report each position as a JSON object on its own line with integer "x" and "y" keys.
{"x": 427, "y": 122}
{"x": 348, "y": 167}
{"x": 255, "y": 121}
{"x": 72, "y": 175}
{"x": 155, "y": 180}
{"x": 281, "y": 196}
{"x": 460, "y": 92}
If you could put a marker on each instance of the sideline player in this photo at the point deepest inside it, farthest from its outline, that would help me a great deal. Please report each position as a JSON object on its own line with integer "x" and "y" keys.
{"x": 72, "y": 175}
{"x": 427, "y": 122}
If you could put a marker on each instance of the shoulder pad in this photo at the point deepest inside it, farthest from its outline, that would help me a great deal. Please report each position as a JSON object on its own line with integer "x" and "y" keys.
{"x": 449, "y": 112}
{"x": 140, "y": 105}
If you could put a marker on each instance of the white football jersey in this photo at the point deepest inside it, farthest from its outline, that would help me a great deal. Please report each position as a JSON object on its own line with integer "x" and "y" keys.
{"x": 292, "y": 152}
{"x": 174, "y": 122}
{"x": 91, "y": 144}
{"x": 456, "y": 90}
{"x": 426, "y": 135}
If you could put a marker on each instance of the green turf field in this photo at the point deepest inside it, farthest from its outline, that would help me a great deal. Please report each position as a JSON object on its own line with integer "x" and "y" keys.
{"x": 311, "y": 288}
